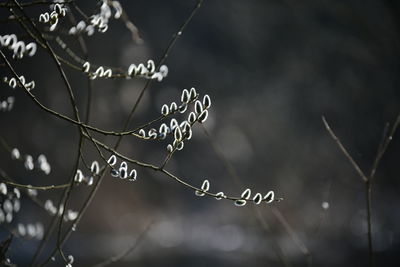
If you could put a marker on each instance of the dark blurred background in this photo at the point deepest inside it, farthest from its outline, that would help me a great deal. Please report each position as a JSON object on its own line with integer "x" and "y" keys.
{"x": 272, "y": 69}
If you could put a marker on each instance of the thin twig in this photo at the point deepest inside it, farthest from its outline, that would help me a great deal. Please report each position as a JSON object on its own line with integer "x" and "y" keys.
{"x": 44, "y": 188}
{"x": 385, "y": 145}
{"x": 366, "y": 181}
{"x": 344, "y": 150}
{"x": 382, "y": 147}
{"x": 379, "y": 150}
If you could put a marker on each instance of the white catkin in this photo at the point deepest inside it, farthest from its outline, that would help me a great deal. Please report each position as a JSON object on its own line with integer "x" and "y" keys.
{"x": 89, "y": 181}
{"x": 72, "y": 31}
{"x": 170, "y": 148}
{"x": 45, "y": 167}
{"x": 152, "y": 133}
{"x": 206, "y": 101}
{"x": 42, "y": 159}
{"x": 31, "y": 230}
{"x": 81, "y": 25}
{"x": 157, "y": 76}
{"x": 257, "y": 198}
{"x": 188, "y": 134}
{"x": 246, "y": 194}
{"x": 142, "y": 133}
{"x": 173, "y": 124}
{"x": 185, "y": 96}
{"x": 180, "y": 145}
{"x": 15, "y": 153}
{"x": 57, "y": 8}
{"x": 95, "y": 167}
{"x": 3, "y": 188}
{"x": 29, "y": 162}
{"x": 269, "y": 197}
{"x": 31, "y": 85}
{"x": 78, "y": 176}
{"x": 12, "y": 83}
{"x": 17, "y": 205}
{"x": 7, "y": 206}
{"x": 141, "y": 69}
{"x": 10, "y": 101}
{"x": 205, "y": 186}
{"x": 86, "y": 67}
{"x": 198, "y": 107}
{"x": 183, "y": 108}
{"x": 133, "y": 175}
{"x": 22, "y": 79}
{"x": 123, "y": 165}
{"x": 89, "y": 30}
{"x": 31, "y": 49}
{"x": 21, "y": 230}
{"x": 100, "y": 71}
{"x": 178, "y": 134}
{"x": 114, "y": 173}
{"x": 70, "y": 259}
{"x": 162, "y": 136}
{"x": 103, "y": 28}
{"x": 107, "y": 73}
{"x": 192, "y": 94}
{"x": 220, "y": 195}
{"x": 240, "y": 202}
{"x": 203, "y": 116}
{"x": 199, "y": 193}
{"x": 10, "y": 40}
{"x": 45, "y": 17}
{"x": 54, "y": 23}
{"x": 123, "y": 173}
{"x": 48, "y": 205}
{"x": 112, "y": 160}
{"x": 165, "y": 110}
{"x": 19, "y": 48}
{"x": 164, "y": 70}
{"x": 163, "y": 128}
{"x": 71, "y": 215}
{"x": 173, "y": 107}
{"x": 185, "y": 125}
{"x": 192, "y": 117}
{"x": 39, "y": 231}
{"x": 118, "y": 9}
{"x": 151, "y": 66}
{"x": 17, "y": 193}
{"x": 9, "y": 217}
{"x": 32, "y": 192}
{"x": 132, "y": 70}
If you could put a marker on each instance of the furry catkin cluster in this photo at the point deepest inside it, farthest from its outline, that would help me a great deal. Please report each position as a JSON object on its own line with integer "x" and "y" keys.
{"x": 19, "y": 48}
{"x": 122, "y": 171}
{"x": 59, "y": 11}
{"x": 99, "y": 21}
{"x": 30, "y": 164}
{"x": 10, "y": 203}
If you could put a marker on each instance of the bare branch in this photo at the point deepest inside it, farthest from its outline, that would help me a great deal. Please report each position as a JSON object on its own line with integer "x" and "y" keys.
{"x": 344, "y": 150}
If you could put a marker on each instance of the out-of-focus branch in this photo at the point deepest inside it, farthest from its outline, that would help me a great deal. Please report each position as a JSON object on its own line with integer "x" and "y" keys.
{"x": 382, "y": 147}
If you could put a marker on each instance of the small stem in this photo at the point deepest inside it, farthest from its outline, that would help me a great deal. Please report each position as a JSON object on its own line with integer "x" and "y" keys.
{"x": 369, "y": 232}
